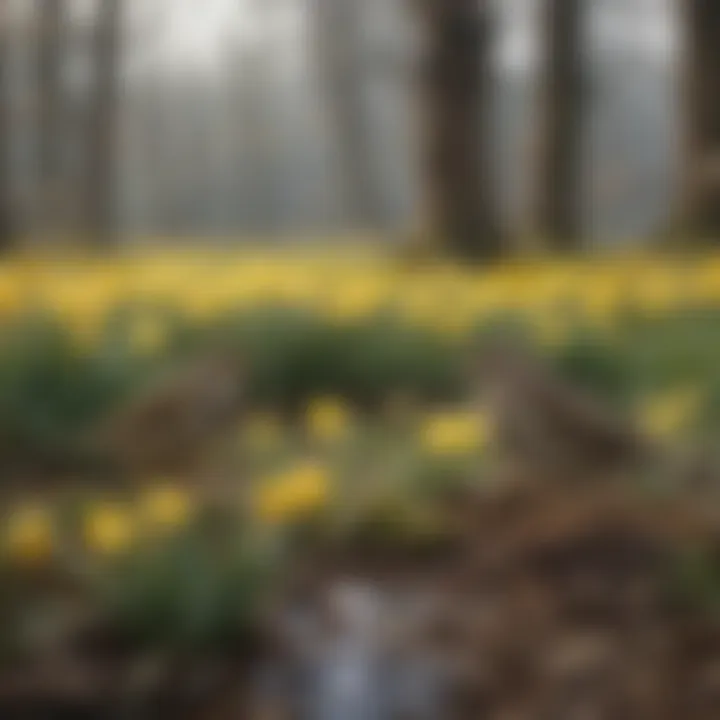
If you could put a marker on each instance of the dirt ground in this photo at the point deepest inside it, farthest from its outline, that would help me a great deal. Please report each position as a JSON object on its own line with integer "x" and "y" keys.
{"x": 554, "y": 603}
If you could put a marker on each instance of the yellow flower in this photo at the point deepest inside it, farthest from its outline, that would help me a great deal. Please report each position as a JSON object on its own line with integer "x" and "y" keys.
{"x": 670, "y": 413}
{"x": 308, "y": 484}
{"x": 299, "y": 491}
{"x": 29, "y": 535}
{"x": 270, "y": 504}
{"x": 355, "y": 301}
{"x": 109, "y": 529}
{"x": 327, "y": 419}
{"x": 658, "y": 292}
{"x": 455, "y": 433}
{"x": 166, "y": 507}
{"x": 599, "y": 302}
{"x": 9, "y": 297}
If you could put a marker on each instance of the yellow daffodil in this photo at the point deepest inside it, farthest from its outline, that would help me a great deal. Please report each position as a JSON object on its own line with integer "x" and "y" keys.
{"x": 356, "y": 300}
{"x": 308, "y": 484}
{"x": 670, "y": 413}
{"x": 270, "y": 504}
{"x": 29, "y": 535}
{"x": 109, "y": 528}
{"x": 455, "y": 433}
{"x": 599, "y": 302}
{"x": 9, "y": 297}
{"x": 298, "y": 491}
{"x": 166, "y": 507}
{"x": 327, "y": 419}
{"x": 350, "y": 285}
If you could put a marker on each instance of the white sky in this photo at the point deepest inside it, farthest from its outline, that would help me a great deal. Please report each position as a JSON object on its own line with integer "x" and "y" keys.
{"x": 197, "y": 29}
{"x": 193, "y": 34}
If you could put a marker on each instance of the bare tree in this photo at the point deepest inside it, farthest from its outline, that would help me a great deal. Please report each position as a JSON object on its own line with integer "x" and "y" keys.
{"x": 701, "y": 183}
{"x": 50, "y": 122}
{"x": 558, "y": 197}
{"x": 6, "y": 220}
{"x": 342, "y": 68}
{"x": 102, "y": 166}
{"x": 455, "y": 91}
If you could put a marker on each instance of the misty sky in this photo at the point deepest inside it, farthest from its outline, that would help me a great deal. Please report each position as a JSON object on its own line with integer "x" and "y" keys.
{"x": 193, "y": 33}
{"x": 199, "y": 72}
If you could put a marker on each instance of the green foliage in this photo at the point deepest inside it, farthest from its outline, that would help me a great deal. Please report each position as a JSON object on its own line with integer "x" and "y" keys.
{"x": 192, "y": 591}
{"x": 49, "y": 391}
{"x": 295, "y": 355}
{"x": 53, "y": 387}
{"x": 694, "y": 581}
{"x": 674, "y": 349}
{"x": 593, "y": 363}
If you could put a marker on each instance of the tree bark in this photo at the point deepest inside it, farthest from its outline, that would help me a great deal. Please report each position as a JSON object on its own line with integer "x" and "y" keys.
{"x": 455, "y": 89}
{"x": 558, "y": 202}
{"x": 341, "y": 67}
{"x": 701, "y": 183}
{"x": 6, "y": 215}
{"x": 50, "y": 121}
{"x": 102, "y": 174}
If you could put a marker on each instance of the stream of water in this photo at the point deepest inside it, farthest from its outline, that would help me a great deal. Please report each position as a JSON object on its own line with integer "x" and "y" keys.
{"x": 352, "y": 659}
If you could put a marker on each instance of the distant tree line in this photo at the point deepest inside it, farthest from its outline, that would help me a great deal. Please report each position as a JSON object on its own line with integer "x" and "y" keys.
{"x": 458, "y": 179}
{"x": 92, "y": 192}
{"x": 459, "y": 206}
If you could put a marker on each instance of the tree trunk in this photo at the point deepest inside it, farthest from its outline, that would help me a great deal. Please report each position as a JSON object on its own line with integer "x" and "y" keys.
{"x": 701, "y": 183}
{"x": 6, "y": 219}
{"x": 102, "y": 174}
{"x": 459, "y": 200}
{"x": 341, "y": 66}
{"x": 557, "y": 212}
{"x": 49, "y": 205}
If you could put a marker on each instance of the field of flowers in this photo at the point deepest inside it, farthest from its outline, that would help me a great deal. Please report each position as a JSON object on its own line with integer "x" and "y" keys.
{"x": 78, "y": 336}
{"x": 360, "y": 410}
